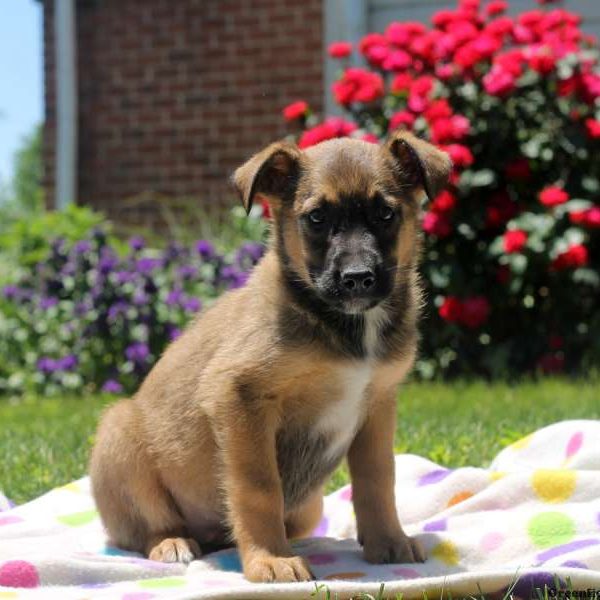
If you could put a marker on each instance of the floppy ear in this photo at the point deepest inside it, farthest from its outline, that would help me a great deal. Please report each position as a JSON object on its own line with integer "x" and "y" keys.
{"x": 421, "y": 163}
{"x": 272, "y": 172}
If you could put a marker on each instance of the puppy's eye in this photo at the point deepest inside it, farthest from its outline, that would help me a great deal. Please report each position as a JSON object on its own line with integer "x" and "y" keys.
{"x": 317, "y": 216}
{"x": 386, "y": 213}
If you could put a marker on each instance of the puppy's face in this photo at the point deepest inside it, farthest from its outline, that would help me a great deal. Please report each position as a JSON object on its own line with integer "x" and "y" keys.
{"x": 346, "y": 212}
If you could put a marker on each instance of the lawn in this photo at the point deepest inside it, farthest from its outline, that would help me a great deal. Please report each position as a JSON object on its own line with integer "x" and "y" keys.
{"x": 45, "y": 442}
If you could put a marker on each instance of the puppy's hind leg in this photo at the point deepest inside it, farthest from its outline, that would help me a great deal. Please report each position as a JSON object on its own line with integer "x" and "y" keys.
{"x": 137, "y": 510}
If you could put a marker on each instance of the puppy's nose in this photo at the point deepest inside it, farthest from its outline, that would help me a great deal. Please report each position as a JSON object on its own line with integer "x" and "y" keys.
{"x": 358, "y": 280}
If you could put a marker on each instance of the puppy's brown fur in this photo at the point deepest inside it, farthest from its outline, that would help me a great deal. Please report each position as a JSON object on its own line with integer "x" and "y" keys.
{"x": 234, "y": 431}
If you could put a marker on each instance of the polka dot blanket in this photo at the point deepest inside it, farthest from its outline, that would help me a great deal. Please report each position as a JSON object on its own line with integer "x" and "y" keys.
{"x": 532, "y": 518}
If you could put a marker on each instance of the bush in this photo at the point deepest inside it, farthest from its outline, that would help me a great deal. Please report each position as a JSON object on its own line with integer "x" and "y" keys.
{"x": 88, "y": 316}
{"x": 512, "y": 253}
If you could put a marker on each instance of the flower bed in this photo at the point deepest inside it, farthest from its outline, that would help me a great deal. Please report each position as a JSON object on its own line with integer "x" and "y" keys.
{"x": 87, "y": 317}
{"x": 512, "y": 255}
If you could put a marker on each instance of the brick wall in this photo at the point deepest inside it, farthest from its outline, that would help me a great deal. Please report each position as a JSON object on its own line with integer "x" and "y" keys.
{"x": 174, "y": 95}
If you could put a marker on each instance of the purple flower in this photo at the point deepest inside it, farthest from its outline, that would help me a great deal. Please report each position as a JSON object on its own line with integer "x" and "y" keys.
{"x": 11, "y": 292}
{"x": 137, "y": 353}
{"x": 174, "y": 297}
{"x": 173, "y": 332}
{"x": 67, "y": 363}
{"x": 124, "y": 277}
{"x": 111, "y": 386}
{"x": 140, "y": 298}
{"x": 118, "y": 308}
{"x": 146, "y": 265}
{"x": 187, "y": 271}
{"x": 47, "y": 365}
{"x": 137, "y": 243}
{"x": 108, "y": 261}
{"x": 48, "y": 302}
{"x": 82, "y": 308}
{"x": 173, "y": 251}
{"x": 82, "y": 246}
{"x": 191, "y": 304}
{"x": 205, "y": 249}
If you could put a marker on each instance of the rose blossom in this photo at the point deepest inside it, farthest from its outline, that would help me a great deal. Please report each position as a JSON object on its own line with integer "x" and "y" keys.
{"x": 295, "y": 110}
{"x": 339, "y": 49}
{"x": 514, "y": 240}
{"x": 575, "y": 256}
{"x": 553, "y": 196}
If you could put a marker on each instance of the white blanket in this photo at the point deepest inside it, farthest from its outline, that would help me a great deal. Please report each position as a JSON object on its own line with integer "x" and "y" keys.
{"x": 531, "y": 519}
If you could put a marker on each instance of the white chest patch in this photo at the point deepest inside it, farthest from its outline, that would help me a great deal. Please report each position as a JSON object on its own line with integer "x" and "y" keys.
{"x": 339, "y": 422}
{"x": 375, "y": 320}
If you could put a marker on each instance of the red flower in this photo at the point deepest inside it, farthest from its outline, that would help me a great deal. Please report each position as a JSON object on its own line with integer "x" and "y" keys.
{"x": 295, "y": 110}
{"x": 401, "y": 83}
{"x": 451, "y": 309}
{"x": 550, "y": 362}
{"x": 453, "y": 129}
{"x": 575, "y": 256}
{"x": 358, "y": 85}
{"x": 593, "y": 128}
{"x": 438, "y": 109}
{"x": 339, "y": 49}
{"x": 333, "y": 127}
{"x": 496, "y": 7}
{"x": 397, "y": 60}
{"x": 444, "y": 202}
{"x": 499, "y": 82}
{"x": 461, "y": 155}
{"x": 402, "y": 118}
{"x": 514, "y": 240}
{"x": 542, "y": 61}
{"x": 588, "y": 218}
{"x": 436, "y": 224}
{"x": 518, "y": 168}
{"x": 370, "y": 40}
{"x": 503, "y": 274}
{"x": 510, "y": 62}
{"x": 371, "y": 138}
{"x": 553, "y": 196}
{"x": 475, "y": 311}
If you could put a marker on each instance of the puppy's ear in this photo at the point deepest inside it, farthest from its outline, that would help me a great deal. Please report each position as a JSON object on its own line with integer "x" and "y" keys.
{"x": 272, "y": 172}
{"x": 420, "y": 163}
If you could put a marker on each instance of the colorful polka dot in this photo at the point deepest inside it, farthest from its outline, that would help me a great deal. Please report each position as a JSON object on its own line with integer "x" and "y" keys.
{"x": 19, "y": 574}
{"x": 322, "y": 528}
{"x": 162, "y": 582}
{"x": 79, "y": 518}
{"x": 346, "y": 575}
{"x": 497, "y": 475}
{"x": 345, "y": 493}
{"x": 446, "y": 552}
{"x": 434, "y": 476}
{"x": 9, "y": 519}
{"x": 406, "y": 572}
{"x": 528, "y": 585}
{"x": 574, "y": 564}
{"x": 321, "y": 558}
{"x": 138, "y": 596}
{"x": 229, "y": 561}
{"x": 522, "y": 443}
{"x": 553, "y": 485}
{"x": 8, "y": 595}
{"x": 566, "y": 548}
{"x": 459, "y": 497}
{"x": 491, "y": 541}
{"x": 549, "y": 529}
{"x": 574, "y": 444}
{"x": 71, "y": 487}
{"x": 439, "y": 525}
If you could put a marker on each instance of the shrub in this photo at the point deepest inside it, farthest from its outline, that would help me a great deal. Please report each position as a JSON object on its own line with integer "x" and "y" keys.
{"x": 512, "y": 253}
{"x": 89, "y": 316}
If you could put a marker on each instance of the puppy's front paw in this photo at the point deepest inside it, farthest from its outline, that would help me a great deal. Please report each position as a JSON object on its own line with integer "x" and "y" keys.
{"x": 266, "y": 569}
{"x": 393, "y": 549}
{"x": 172, "y": 550}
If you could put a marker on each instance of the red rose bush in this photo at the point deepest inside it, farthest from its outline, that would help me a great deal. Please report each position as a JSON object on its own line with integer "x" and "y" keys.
{"x": 512, "y": 253}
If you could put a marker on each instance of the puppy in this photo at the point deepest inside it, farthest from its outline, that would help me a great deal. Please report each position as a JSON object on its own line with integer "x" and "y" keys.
{"x": 236, "y": 428}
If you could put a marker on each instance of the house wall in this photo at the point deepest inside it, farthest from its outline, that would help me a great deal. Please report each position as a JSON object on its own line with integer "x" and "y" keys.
{"x": 174, "y": 95}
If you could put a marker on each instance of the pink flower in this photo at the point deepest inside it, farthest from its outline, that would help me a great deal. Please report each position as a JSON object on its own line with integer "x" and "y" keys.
{"x": 333, "y": 127}
{"x": 371, "y": 138}
{"x": 453, "y": 129}
{"x": 444, "y": 202}
{"x": 401, "y": 118}
{"x": 358, "y": 85}
{"x": 589, "y": 217}
{"x": 593, "y": 128}
{"x": 397, "y": 60}
{"x": 401, "y": 83}
{"x": 451, "y": 309}
{"x": 370, "y": 40}
{"x": 542, "y": 61}
{"x": 295, "y": 110}
{"x": 339, "y": 49}
{"x": 514, "y": 240}
{"x": 436, "y": 224}
{"x": 575, "y": 256}
{"x": 438, "y": 109}
{"x": 461, "y": 155}
{"x": 499, "y": 82}
{"x": 496, "y": 7}
{"x": 553, "y": 196}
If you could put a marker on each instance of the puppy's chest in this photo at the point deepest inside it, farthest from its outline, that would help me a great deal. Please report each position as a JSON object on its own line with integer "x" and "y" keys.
{"x": 308, "y": 453}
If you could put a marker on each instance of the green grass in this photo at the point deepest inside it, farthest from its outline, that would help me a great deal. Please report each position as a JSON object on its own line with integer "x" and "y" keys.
{"x": 45, "y": 443}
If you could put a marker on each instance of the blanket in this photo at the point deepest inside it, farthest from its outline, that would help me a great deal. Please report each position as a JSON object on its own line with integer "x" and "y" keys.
{"x": 529, "y": 520}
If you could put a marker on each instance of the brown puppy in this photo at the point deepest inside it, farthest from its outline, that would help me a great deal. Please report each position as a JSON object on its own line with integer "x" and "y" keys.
{"x": 236, "y": 428}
